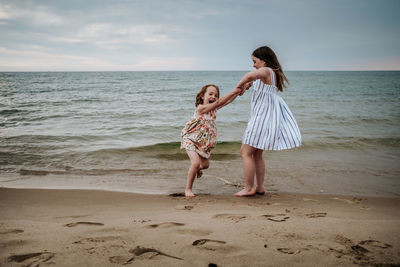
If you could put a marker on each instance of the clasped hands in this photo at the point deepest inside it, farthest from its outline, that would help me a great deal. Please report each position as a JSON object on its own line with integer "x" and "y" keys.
{"x": 243, "y": 88}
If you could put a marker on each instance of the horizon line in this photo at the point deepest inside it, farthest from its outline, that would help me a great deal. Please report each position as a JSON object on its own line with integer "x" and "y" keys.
{"x": 183, "y": 70}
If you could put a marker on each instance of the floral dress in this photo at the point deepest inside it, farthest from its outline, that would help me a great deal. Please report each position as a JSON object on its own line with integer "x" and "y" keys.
{"x": 200, "y": 133}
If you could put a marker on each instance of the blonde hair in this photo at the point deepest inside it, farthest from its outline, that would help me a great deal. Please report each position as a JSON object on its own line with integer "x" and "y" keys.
{"x": 202, "y": 92}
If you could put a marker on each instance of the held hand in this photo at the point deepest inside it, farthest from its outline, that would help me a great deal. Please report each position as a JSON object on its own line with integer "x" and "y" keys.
{"x": 238, "y": 91}
{"x": 246, "y": 87}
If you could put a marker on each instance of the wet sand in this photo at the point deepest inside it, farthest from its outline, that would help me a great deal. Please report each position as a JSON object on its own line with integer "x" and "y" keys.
{"x": 100, "y": 228}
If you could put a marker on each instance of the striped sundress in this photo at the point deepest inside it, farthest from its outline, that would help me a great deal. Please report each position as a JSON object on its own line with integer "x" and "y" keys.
{"x": 271, "y": 125}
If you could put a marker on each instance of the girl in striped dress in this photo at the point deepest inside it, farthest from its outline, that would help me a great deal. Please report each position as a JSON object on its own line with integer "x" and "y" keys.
{"x": 271, "y": 125}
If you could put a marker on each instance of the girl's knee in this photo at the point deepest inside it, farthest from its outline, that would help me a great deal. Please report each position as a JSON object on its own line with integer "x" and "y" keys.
{"x": 195, "y": 165}
{"x": 242, "y": 151}
{"x": 205, "y": 164}
{"x": 245, "y": 152}
{"x": 258, "y": 155}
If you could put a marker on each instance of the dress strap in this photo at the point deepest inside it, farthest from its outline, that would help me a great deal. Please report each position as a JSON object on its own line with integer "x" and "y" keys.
{"x": 272, "y": 76}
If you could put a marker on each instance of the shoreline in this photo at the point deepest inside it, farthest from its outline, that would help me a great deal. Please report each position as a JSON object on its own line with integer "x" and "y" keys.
{"x": 161, "y": 170}
{"x": 203, "y": 193}
{"x": 95, "y": 227}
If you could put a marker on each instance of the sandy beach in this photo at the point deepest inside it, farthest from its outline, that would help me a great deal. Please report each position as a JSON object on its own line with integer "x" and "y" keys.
{"x": 99, "y": 228}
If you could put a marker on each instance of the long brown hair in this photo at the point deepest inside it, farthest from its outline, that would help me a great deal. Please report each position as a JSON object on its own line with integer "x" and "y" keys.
{"x": 267, "y": 54}
{"x": 202, "y": 92}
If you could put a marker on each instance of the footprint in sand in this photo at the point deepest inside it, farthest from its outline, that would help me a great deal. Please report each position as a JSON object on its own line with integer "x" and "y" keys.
{"x": 291, "y": 251}
{"x": 165, "y": 225}
{"x": 233, "y": 217}
{"x": 84, "y": 223}
{"x": 277, "y": 217}
{"x": 316, "y": 214}
{"x": 121, "y": 259}
{"x": 203, "y": 241}
{"x": 72, "y": 216}
{"x": 184, "y": 207}
{"x": 195, "y": 232}
{"x": 177, "y": 195}
{"x": 141, "y": 221}
{"x": 138, "y": 251}
{"x": 356, "y": 251}
{"x": 355, "y": 200}
{"x": 359, "y": 252}
{"x": 343, "y": 240}
{"x": 32, "y": 258}
{"x": 11, "y": 231}
{"x": 100, "y": 239}
{"x": 213, "y": 245}
{"x": 310, "y": 199}
{"x": 375, "y": 243}
{"x": 287, "y": 250}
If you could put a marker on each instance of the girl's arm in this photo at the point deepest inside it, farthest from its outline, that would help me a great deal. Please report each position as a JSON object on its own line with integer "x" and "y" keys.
{"x": 242, "y": 90}
{"x": 230, "y": 100}
{"x": 261, "y": 73}
{"x": 246, "y": 87}
{"x": 219, "y": 103}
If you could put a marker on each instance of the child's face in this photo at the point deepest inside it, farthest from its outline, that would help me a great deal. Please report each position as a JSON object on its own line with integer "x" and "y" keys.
{"x": 211, "y": 95}
{"x": 258, "y": 63}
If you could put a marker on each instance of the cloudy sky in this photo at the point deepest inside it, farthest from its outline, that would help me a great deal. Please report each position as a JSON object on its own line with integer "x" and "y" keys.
{"x": 55, "y": 35}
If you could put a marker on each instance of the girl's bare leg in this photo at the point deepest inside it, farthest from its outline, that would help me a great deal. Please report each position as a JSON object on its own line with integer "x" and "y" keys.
{"x": 199, "y": 173}
{"x": 197, "y": 163}
{"x": 249, "y": 168}
{"x": 204, "y": 164}
{"x": 260, "y": 171}
{"x": 194, "y": 168}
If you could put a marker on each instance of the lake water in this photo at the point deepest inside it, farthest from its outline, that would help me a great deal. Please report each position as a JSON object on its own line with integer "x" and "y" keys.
{"x": 121, "y": 131}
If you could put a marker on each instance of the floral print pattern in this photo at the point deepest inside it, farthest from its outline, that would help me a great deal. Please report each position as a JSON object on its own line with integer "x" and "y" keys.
{"x": 200, "y": 133}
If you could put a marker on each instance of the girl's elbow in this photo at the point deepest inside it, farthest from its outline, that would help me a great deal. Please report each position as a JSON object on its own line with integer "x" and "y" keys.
{"x": 251, "y": 76}
{"x": 218, "y": 103}
{"x": 248, "y": 74}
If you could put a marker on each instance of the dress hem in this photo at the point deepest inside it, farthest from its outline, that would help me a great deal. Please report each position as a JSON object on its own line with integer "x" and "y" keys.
{"x": 273, "y": 149}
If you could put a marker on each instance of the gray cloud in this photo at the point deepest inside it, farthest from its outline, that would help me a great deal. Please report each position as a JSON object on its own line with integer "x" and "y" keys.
{"x": 218, "y": 34}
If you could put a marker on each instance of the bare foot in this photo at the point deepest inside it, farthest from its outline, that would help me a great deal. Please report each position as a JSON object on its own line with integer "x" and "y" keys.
{"x": 189, "y": 193}
{"x": 245, "y": 193}
{"x": 260, "y": 190}
{"x": 199, "y": 174}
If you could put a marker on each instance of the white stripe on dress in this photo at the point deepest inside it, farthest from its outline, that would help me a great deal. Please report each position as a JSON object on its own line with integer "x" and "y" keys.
{"x": 271, "y": 125}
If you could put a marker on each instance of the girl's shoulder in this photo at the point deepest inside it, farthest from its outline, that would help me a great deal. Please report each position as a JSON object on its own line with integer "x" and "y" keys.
{"x": 211, "y": 113}
{"x": 267, "y": 71}
{"x": 264, "y": 74}
{"x": 260, "y": 73}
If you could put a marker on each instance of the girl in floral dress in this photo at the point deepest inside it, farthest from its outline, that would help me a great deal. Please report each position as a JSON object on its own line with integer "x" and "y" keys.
{"x": 200, "y": 133}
